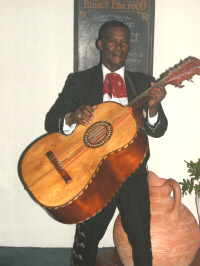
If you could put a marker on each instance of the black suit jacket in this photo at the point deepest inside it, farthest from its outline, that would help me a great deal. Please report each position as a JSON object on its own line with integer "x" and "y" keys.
{"x": 86, "y": 88}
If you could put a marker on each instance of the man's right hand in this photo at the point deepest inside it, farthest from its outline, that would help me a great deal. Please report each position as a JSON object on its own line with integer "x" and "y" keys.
{"x": 83, "y": 115}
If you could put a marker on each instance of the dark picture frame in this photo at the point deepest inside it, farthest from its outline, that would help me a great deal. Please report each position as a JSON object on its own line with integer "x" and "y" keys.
{"x": 139, "y": 15}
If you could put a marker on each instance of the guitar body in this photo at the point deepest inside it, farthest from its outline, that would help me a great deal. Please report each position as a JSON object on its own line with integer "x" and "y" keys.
{"x": 85, "y": 171}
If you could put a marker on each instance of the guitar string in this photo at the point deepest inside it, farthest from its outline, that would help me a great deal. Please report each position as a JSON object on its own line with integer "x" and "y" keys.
{"x": 75, "y": 153}
{"x": 121, "y": 110}
{"x": 95, "y": 136}
{"x": 76, "y": 142}
{"x": 79, "y": 140}
{"x": 158, "y": 83}
{"x": 80, "y": 154}
{"x": 83, "y": 146}
{"x": 136, "y": 100}
{"x": 100, "y": 131}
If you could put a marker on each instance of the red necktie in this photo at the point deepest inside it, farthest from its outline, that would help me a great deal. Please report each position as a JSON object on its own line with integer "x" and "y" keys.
{"x": 114, "y": 86}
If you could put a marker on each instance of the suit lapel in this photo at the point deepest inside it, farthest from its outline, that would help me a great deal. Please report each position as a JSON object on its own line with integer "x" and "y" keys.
{"x": 97, "y": 85}
{"x": 128, "y": 89}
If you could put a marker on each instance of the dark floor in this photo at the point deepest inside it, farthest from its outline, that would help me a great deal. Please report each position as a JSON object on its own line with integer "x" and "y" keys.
{"x": 58, "y": 257}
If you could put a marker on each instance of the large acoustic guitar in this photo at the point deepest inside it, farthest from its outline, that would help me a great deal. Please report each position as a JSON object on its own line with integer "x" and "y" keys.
{"x": 73, "y": 177}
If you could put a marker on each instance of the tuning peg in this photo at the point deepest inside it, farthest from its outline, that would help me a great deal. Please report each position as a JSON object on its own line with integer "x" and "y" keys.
{"x": 179, "y": 86}
{"x": 190, "y": 80}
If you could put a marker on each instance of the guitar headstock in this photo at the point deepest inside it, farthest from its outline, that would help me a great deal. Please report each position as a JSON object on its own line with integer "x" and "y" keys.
{"x": 185, "y": 70}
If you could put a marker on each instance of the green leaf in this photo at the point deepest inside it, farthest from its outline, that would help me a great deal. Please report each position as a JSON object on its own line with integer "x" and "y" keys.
{"x": 188, "y": 185}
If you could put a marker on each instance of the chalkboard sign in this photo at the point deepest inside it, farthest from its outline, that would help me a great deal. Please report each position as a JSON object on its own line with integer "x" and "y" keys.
{"x": 138, "y": 15}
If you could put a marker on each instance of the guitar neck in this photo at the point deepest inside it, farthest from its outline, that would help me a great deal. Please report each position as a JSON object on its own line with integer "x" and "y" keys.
{"x": 140, "y": 100}
{"x": 174, "y": 76}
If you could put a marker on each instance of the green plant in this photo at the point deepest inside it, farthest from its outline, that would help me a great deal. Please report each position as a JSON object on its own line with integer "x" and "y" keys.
{"x": 192, "y": 184}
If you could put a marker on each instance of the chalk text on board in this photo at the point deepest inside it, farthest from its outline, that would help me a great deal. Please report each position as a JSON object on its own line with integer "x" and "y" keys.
{"x": 139, "y": 5}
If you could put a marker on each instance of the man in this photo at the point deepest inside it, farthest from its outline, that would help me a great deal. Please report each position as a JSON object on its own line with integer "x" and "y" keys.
{"x": 77, "y": 103}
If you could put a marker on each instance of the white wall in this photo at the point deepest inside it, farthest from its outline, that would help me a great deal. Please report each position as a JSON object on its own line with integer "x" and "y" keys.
{"x": 36, "y": 56}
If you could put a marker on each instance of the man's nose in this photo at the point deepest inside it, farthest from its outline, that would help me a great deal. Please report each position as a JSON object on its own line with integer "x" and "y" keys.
{"x": 118, "y": 45}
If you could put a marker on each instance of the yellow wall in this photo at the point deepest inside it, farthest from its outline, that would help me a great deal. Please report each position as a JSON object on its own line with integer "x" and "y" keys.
{"x": 36, "y": 56}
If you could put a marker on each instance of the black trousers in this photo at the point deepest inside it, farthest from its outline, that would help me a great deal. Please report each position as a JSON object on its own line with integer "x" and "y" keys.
{"x": 132, "y": 200}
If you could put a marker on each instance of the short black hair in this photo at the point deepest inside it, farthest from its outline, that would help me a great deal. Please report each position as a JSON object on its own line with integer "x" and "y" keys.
{"x": 111, "y": 24}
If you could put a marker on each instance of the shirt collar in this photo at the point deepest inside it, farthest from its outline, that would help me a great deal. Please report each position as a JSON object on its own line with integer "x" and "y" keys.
{"x": 106, "y": 71}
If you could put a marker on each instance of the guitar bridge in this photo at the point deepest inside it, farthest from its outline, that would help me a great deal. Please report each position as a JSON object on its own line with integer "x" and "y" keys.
{"x": 58, "y": 166}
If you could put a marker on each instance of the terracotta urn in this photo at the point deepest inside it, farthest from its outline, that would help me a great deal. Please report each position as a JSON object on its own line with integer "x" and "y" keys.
{"x": 175, "y": 233}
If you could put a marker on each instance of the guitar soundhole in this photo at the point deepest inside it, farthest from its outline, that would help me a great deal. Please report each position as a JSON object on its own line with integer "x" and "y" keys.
{"x": 97, "y": 134}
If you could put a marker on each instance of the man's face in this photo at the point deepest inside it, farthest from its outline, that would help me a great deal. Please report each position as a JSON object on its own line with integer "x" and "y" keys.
{"x": 115, "y": 46}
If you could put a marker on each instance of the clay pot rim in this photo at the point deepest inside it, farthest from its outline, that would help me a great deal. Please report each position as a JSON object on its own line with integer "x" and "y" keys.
{"x": 152, "y": 175}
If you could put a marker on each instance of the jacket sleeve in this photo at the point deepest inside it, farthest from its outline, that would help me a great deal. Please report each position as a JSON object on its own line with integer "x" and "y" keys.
{"x": 67, "y": 101}
{"x": 142, "y": 82}
{"x": 159, "y": 128}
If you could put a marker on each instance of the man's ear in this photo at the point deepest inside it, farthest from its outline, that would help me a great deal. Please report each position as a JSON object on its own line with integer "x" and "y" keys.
{"x": 99, "y": 44}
